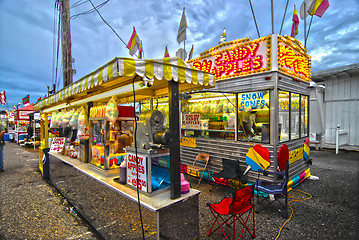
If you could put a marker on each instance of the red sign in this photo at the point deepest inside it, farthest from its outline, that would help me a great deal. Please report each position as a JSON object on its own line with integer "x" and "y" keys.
{"x": 192, "y": 121}
{"x": 57, "y": 144}
{"x": 132, "y": 171}
{"x": 238, "y": 58}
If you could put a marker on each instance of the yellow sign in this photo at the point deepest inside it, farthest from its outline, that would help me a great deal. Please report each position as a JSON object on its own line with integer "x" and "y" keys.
{"x": 236, "y": 58}
{"x": 296, "y": 155}
{"x": 188, "y": 142}
{"x": 293, "y": 59}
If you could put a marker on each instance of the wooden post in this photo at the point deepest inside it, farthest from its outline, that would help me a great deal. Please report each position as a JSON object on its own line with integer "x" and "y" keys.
{"x": 66, "y": 43}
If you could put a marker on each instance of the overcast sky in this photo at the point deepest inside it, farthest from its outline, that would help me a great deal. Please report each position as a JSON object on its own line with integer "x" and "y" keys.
{"x": 28, "y": 34}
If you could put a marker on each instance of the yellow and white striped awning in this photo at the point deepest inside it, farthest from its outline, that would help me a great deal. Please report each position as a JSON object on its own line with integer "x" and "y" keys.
{"x": 120, "y": 70}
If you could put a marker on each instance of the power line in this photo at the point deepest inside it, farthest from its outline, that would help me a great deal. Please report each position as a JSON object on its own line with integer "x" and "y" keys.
{"x": 89, "y": 11}
{"x": 107, "y": 23}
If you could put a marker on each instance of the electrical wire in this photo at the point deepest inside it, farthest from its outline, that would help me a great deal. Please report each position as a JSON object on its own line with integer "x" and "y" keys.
{"x": 77, "y": 212}
{"x": 295, "y": 199}
{"x": 89, "y": 11}
{"x": 135, "y": 143}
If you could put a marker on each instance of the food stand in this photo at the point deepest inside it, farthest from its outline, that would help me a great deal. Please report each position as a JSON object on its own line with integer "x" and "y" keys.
{"x": 22, "y": 122}
{"x": 131, "y": 81}
{"x": 261, "y": 97}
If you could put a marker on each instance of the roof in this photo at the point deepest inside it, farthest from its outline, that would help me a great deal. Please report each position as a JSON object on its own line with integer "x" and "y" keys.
{"x": 121, "y": 75}
{"x": 338, "y": 72}
{"x": 27, "y": 108}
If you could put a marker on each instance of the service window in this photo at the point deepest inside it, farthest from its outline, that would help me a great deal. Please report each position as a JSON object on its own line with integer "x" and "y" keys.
{"x": 284, "y": 105}
{"x": 293, "y": 116}
{"x": 253, "y": 116}
{"x": 209, "y": 115}
{"x": 304, "y": 115}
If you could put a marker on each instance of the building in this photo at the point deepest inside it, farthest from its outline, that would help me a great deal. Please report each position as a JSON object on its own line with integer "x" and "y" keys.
{"x": 334, "y": 108}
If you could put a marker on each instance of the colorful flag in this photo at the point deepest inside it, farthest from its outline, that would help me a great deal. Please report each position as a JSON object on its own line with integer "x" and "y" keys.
{"x": 166, "y": 53}
{"x": 319, "y": 7}
{"x": 38, "y": 100}
{"x": 141, "y": 51}
{"x": 190, "y": 53}
{"x": 2, "y": 98}
{"x": 181, "y": 35}
{"x": 295, "y": 23}
{"x": 223, "y": 37}
{"x": 26, "y": 100}
{"x": 134, "y": 43}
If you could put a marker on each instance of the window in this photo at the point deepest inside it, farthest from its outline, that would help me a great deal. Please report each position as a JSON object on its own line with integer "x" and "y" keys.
{"x": 293, "y": 116}
{"x": 210, "y": 115}
{"x": 253, "y": 116}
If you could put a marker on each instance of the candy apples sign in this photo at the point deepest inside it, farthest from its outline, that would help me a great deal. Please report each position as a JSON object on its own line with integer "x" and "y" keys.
{"x": 235, "y": 58}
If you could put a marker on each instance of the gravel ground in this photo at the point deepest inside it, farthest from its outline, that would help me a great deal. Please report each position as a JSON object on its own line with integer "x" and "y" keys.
{"x": 32, "y": 209}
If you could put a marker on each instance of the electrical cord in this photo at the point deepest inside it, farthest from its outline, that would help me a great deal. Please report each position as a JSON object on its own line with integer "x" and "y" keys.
{"x": 295, "y": 199}
{"x": 75, "y": 210}
{"x": 135, "y": 143}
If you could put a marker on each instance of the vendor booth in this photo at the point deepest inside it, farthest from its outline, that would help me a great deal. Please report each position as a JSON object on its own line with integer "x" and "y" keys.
{"x": 112, "y": 139}
{"x": 261, "y": 97}
{"x": 22, "y": 122}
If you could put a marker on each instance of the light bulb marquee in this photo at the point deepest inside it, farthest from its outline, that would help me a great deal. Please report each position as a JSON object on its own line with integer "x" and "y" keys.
{"x": 236, "y": 58}
{"x": 245, "y": 57}
{"x": 293, "y": 59}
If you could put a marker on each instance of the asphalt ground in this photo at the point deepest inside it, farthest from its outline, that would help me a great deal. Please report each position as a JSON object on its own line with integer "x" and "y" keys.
{"x": 32, "y": 208}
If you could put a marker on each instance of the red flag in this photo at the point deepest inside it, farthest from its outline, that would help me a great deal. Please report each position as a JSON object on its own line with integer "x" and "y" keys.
{"x": 166, "y": 53}
{"x": 319, "y": 7}
{"x": 2, "y": 98}
{"x": 295, "y": 23}
{"x": 190, "y": 53}
{"x": 26, "y": 99}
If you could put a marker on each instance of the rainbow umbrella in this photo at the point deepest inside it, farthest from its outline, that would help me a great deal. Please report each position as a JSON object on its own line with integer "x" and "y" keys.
{"x": 257, "y": 158}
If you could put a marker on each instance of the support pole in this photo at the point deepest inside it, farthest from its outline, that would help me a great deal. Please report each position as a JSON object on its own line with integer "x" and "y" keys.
{"x": 305, "y": 25}
{"x": 173, "y": 90}
{"x": 272, "y": 16}
{"x": 66, "y": 43}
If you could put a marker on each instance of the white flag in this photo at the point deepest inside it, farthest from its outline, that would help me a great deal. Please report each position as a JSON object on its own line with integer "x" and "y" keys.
{"x": 181, "y": 35}
{"x": 223, "y": 37}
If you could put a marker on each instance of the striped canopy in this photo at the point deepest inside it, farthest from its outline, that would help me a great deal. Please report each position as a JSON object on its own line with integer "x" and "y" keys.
{"x": 121, "y": 72}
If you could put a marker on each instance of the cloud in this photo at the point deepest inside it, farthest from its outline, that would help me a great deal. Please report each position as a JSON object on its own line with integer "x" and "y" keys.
{"x": 28, "y": 39}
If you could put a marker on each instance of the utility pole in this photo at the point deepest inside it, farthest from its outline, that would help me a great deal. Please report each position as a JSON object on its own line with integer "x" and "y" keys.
{"x": 66, "y": 42}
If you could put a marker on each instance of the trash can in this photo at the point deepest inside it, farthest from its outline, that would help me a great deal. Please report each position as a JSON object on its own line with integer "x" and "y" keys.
{"x": 46, "y": 164}
{"x": 6, "y": 137}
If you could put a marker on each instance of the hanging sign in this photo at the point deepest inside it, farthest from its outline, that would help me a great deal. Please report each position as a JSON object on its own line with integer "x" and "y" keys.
{"x": 57, "y": 144}
{"x": 132, "y": 171}
{"x": 235, "y": 58}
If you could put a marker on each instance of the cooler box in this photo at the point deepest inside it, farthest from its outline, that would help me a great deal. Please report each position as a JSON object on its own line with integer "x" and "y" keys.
{"x": 22, "y": 137}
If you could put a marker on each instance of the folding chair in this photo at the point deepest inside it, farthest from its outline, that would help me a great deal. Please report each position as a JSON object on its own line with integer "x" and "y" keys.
{"x": 274, "y": 191}
{"x": 231, "y": 172}
{"x": 196, "y": 169}
{"x": 239, "y": 208}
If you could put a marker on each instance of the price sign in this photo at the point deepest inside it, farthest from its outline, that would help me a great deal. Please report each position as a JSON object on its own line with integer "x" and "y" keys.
{"x": 132, "y": 171}
{"x": 57, "y": 144}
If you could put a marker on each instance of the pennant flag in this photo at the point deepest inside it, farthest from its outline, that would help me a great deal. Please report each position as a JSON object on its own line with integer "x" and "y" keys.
{"x": 295, "y": 23}
{"x": 166, "y": 53}
{"x": 141, "y": 51}
{"x": 15, "y": 107}
{"x": 319, "y": 7}
{"x": 181, "y": 35}
{"x": 18, "y": 105}
{"x": 257, "y": 158}
{"x": 223, "y": 37}
{"x": 2, "y": 98}
{"x": 190, "y": 53}
{"x": 134, "y": 43}
{"x": 38, "y": 100}
{"x": 26, "y": 100}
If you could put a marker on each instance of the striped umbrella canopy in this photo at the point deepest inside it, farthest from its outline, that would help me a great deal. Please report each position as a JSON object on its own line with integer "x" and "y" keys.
{"x": 119, "y": 77}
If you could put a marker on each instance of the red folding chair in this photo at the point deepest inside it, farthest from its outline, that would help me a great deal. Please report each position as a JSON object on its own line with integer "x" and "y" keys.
{"x": 230, "y": 210}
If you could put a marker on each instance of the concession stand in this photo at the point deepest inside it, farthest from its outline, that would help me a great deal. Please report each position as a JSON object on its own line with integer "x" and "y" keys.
{"x": 96, "y": 127}
{"x": 261, "y": 97}
{"x": 22, "y": 122}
